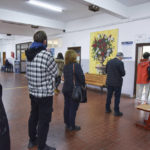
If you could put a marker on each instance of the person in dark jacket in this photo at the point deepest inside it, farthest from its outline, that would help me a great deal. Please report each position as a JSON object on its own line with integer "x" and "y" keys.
{"x": 70, "y": 106}
{"x": 4, "y": 128}
{"x": 41, "y": 72}
{"x": 115, "y": 71}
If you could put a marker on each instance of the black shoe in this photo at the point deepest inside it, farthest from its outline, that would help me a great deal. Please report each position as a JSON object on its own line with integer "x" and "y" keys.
{"x": 32, "y": 144}
{"x": 118, "y": 114}
{"x": 108, "y": 111}
{"x": 76, "y": 128}
{"x": 48, "y": 148}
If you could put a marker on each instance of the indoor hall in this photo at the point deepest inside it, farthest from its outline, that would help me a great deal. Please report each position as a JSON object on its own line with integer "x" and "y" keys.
{"x": 99, "y": 131}
{"x": 96, "y": 30}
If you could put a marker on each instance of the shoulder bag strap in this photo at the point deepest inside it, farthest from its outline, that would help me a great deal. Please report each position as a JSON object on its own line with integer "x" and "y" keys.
{"x": 74, "y": 74}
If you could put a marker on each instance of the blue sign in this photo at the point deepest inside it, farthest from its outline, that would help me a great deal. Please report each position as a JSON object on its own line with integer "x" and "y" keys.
{"x": 52, "y": 50}
{"x": 127, "y": 43}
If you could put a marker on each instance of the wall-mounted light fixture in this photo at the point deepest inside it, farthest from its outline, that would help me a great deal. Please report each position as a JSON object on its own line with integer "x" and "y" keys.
{"x": 45, "y": 5}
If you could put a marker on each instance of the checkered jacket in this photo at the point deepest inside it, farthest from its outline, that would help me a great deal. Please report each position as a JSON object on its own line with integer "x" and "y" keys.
{"x": 41, "y": 72}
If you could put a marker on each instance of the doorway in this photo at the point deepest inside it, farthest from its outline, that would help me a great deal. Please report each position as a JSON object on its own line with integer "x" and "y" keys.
{"x": 4, "y": 57}
{"x": 140, "y": 50}
{"x": 78, "y": 51}
{"x": 20, "y": 55}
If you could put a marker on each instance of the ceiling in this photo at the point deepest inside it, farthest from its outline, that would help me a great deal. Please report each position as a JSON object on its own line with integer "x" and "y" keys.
{"x": 73, "y": 10}
{"x": 130, "y": 3}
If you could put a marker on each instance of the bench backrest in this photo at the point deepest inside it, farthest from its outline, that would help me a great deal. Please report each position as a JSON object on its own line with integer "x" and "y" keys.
{"x": 95, "y": 79}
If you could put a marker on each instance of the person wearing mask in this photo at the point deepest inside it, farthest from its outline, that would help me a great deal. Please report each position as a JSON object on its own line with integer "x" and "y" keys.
{"x": 70, "y": 74}
{"x": 60, "y": 64}
{"x": 115, "y": 71}
{"x": 41, "y": 71}
{"x": 142, "y": 78}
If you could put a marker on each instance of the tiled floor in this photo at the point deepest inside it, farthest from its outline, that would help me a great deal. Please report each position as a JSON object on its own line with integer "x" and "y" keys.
{"x": 99, "y": 131}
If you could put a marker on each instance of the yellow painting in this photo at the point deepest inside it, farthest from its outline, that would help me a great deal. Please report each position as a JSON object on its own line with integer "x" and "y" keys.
{"x": 23, "y": 56}
{"x": 103, "y": 47}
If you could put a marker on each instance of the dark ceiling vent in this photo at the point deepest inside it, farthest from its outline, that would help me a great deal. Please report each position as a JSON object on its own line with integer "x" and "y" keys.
{"x": 94, "y": 8}
{"x": 35, "y": 27}
{"x": 8, "y": 34}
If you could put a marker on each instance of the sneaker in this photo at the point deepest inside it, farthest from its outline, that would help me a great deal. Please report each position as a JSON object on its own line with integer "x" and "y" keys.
{"x": 108, "y": 111}
{"x": 76, "y": 128}
{"x": 32, "y": 144}
{"x": 56, "y": 92}
{"x": 48, "y": 148}
{"x": 144, "y": 102}
{"x": 119, "y": 114}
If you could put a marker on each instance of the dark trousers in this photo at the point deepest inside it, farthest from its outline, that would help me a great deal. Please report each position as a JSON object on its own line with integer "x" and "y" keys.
{"x": 57, "y": 81}
{"x": 110, "y": 90}
{"x": 4, "y": 128}
{"x": 40, "y": 116}
{"x": 70, "y": 110}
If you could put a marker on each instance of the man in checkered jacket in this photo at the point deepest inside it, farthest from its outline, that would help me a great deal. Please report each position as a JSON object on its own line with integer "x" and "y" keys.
{"x": 41, "y": 72}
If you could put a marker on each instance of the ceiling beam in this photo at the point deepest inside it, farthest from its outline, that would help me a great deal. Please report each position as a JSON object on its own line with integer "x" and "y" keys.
{"x": 18, "y": 17}
{"x": 112, "y": 6}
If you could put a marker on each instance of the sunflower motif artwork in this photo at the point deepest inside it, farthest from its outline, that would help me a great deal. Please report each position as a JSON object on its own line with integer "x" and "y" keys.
{"x": 103, "y": 47}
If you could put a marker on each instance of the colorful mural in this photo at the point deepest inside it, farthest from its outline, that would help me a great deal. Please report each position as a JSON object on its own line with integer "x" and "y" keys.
{"x": 103, "y": 47}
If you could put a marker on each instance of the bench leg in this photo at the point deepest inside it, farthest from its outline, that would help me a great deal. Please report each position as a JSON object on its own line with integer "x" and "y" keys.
{"x": 146, "y": 124}
{"x": 101, "y": 89}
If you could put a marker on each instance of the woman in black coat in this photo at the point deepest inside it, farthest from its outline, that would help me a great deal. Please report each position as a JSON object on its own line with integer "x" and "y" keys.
{"x": 4, "y": 129}
{"x": 70, "y": 106}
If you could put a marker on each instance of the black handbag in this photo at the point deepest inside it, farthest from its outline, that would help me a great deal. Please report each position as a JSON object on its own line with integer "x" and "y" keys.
{"x": 79, "y": 93}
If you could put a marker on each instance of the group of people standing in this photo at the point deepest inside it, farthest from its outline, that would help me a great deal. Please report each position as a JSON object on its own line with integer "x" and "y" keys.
{"x": 44, "y": 74}
{"x": 42, "y": 70}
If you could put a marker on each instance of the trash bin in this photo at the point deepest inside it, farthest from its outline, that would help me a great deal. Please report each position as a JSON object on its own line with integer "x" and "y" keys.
{"x": 17, "y": 66}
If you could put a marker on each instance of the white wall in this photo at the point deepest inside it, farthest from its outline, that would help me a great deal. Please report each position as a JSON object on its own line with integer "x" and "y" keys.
{"x": 9, "y": 45}
{"x": 129, "y": 30}
{"x": 78, "y": 34}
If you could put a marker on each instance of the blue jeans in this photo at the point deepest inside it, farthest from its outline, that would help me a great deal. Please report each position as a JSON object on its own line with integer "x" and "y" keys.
{"x": 110, "y": 90}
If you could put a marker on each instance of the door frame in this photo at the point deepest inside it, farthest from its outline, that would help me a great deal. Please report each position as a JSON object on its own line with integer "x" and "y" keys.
{"x": 136, "y": 59}
{"x": 4, "y": 57}
{"x": 77, "y": 49}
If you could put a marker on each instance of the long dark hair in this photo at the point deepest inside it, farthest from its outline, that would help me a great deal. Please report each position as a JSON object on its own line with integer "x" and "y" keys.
{"x": 60, "y": 56}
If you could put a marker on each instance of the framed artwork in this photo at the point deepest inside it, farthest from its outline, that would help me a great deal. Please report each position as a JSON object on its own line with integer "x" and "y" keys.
{"x": 103, "y": 47}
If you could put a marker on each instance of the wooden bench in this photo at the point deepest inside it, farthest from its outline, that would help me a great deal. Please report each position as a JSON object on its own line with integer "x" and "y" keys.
{"x": 146, "y": 123}
{"x": 95, "y": 79}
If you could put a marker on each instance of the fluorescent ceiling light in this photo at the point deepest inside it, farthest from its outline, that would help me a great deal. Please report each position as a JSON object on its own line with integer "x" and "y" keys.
{"x": 45, "y": 5}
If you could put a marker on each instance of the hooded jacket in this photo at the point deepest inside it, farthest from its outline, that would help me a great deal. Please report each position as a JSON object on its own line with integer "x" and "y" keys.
{"x": 60, "y": 66}
{"x": 142, "y": 73}
{"x": 41, "y": 71}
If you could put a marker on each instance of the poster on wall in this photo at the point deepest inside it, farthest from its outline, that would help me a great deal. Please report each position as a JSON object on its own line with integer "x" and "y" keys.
{"x": 12, "y": 54}
{"x": 127, "y": 47}
{"x": 103, "y": 47}
{"x": 52, "y": 50}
